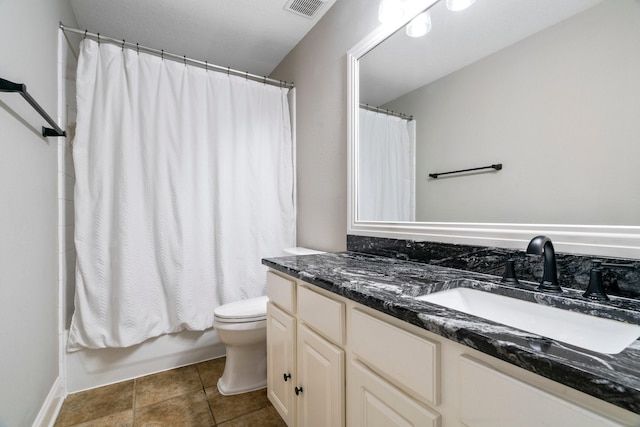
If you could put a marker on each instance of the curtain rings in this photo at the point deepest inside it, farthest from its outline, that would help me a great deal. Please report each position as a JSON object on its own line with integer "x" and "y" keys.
{"x": 184, "y": 58}
{"x": 138, "y": 48}
{"x": 122, "y": 47}
{"x": 85, "y": 34}
{"x": 98, "y": 39}
{"x": 162, "y": 54}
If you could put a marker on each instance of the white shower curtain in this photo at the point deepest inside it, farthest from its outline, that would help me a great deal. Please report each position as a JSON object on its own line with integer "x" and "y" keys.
{"x": 184, "y": 181}
{"x": 386, "y": 168}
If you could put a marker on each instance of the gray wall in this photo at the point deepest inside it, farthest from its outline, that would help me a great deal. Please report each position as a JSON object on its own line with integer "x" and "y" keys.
{"x": 560, "y": 110}
{"x": 318, "y": 67}
{"x": 28, "y": 216}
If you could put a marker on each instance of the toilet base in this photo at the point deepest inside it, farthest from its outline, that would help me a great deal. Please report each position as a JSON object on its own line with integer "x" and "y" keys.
{"x": 225, "y": 392}
{"x": 245, "y": 369}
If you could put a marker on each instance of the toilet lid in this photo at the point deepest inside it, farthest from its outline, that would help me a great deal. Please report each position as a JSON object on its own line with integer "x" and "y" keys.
{"x": 245, "y": 310}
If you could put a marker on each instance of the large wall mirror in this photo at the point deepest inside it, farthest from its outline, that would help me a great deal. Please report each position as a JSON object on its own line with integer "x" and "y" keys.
{"x": 548, "y": 89}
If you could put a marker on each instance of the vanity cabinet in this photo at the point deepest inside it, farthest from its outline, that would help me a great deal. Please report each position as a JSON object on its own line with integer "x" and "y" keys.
{"x": 363, "y": 368}
{"x": 305, "y": 367}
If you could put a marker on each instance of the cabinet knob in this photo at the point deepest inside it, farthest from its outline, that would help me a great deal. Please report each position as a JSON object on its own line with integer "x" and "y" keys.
{"x": 287, "y": 376}
{"x": 298, "y": 390}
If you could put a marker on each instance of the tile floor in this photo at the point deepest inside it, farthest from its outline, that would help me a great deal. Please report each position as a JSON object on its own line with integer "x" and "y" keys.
{"x": 185, "y": 396}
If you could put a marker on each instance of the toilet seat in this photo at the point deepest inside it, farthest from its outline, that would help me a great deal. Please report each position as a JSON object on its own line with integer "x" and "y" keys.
{"x": 248, "y": 310}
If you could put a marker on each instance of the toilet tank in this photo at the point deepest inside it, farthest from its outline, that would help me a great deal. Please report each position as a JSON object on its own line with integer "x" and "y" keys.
{"x": 301, "y": 251}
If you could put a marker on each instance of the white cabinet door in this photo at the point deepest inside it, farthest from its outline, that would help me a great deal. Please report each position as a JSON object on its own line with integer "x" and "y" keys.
{"x": 320, "y": 385}
{"x": 281, "y": 332}
{"x": 376, "y": 403}
{"x": 489, "y": 398}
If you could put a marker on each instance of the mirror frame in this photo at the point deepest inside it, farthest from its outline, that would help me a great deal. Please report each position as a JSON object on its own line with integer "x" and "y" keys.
{"x": 599, "y": 240}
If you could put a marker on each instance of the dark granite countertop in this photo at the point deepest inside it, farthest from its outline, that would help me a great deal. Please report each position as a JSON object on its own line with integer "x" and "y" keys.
{"x": 390, "y": 286}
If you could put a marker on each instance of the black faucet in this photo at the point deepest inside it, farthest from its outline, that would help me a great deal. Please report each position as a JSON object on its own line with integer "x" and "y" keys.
{"x": 541, "y": 245}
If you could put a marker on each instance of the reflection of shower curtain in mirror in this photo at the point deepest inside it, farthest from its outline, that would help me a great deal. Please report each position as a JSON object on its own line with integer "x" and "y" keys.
{"x": 386, "y": 168}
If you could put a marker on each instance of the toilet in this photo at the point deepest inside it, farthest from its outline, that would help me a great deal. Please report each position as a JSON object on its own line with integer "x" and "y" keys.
{"x": 242, "y": 328}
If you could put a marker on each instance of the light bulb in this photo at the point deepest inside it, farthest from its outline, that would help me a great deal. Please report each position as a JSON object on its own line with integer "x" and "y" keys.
{"x": 420, "y": 25}
{"x": 390, "y": 11}
{"x": 458, "y": 5}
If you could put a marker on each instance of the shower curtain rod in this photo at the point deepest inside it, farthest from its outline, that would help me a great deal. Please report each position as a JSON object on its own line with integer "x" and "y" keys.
{"x": 181, "y": 58}
{"x": 385, "y": 111}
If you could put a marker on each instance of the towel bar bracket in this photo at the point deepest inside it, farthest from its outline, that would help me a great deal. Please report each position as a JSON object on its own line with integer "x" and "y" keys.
{"x": 52, "y": 132}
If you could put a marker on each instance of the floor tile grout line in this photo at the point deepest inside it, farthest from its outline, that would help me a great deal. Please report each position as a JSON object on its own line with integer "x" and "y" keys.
{"x": 96, "y": 417}
{"x": 186, "y": 393}
{"x": 245, "y": 414}
{"x": 134, "y": 409}
{"x": 204, "y": 390}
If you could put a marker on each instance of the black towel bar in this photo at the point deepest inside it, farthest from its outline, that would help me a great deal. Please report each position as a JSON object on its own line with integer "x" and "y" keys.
{"x": 7, "y": 86}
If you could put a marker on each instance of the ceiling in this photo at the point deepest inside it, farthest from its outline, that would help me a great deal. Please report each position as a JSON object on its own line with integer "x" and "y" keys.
{"x": 246, "y": 35}
{"x": 402, "y": 64}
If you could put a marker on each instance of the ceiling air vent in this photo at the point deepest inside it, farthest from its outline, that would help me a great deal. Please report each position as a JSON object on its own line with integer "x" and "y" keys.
{"x": 306, "y": 8}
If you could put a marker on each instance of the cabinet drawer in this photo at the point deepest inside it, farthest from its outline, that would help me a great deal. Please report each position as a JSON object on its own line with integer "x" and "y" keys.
{"x": 322, "y": 314}
{"x": 376, "y": 402}
{"x": 281, "y": 291}
{"x": 407, "y": 360}
{"x": 491, "y": 398}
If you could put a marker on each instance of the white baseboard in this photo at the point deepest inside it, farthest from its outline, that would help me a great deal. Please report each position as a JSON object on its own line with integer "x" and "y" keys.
{"x": 51, "y": 406}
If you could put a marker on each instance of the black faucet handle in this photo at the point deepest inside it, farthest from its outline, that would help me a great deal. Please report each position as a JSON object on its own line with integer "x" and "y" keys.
{"x": 595, "y": 289}
{"x": 509, "y": 275}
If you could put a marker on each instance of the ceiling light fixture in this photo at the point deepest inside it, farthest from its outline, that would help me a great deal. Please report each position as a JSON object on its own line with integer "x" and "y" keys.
{"x": 420, "y": 25}
{"x": 390, "y": 11}
{"x": 458, "y": 5}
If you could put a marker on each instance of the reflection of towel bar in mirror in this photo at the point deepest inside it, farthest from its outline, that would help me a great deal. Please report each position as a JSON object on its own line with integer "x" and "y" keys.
{"x": 7, "y": 86}
{"x": 496, "y": 167}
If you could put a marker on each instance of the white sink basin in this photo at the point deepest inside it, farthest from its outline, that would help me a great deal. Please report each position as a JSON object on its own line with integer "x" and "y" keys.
{"x": 581, "y": 330}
